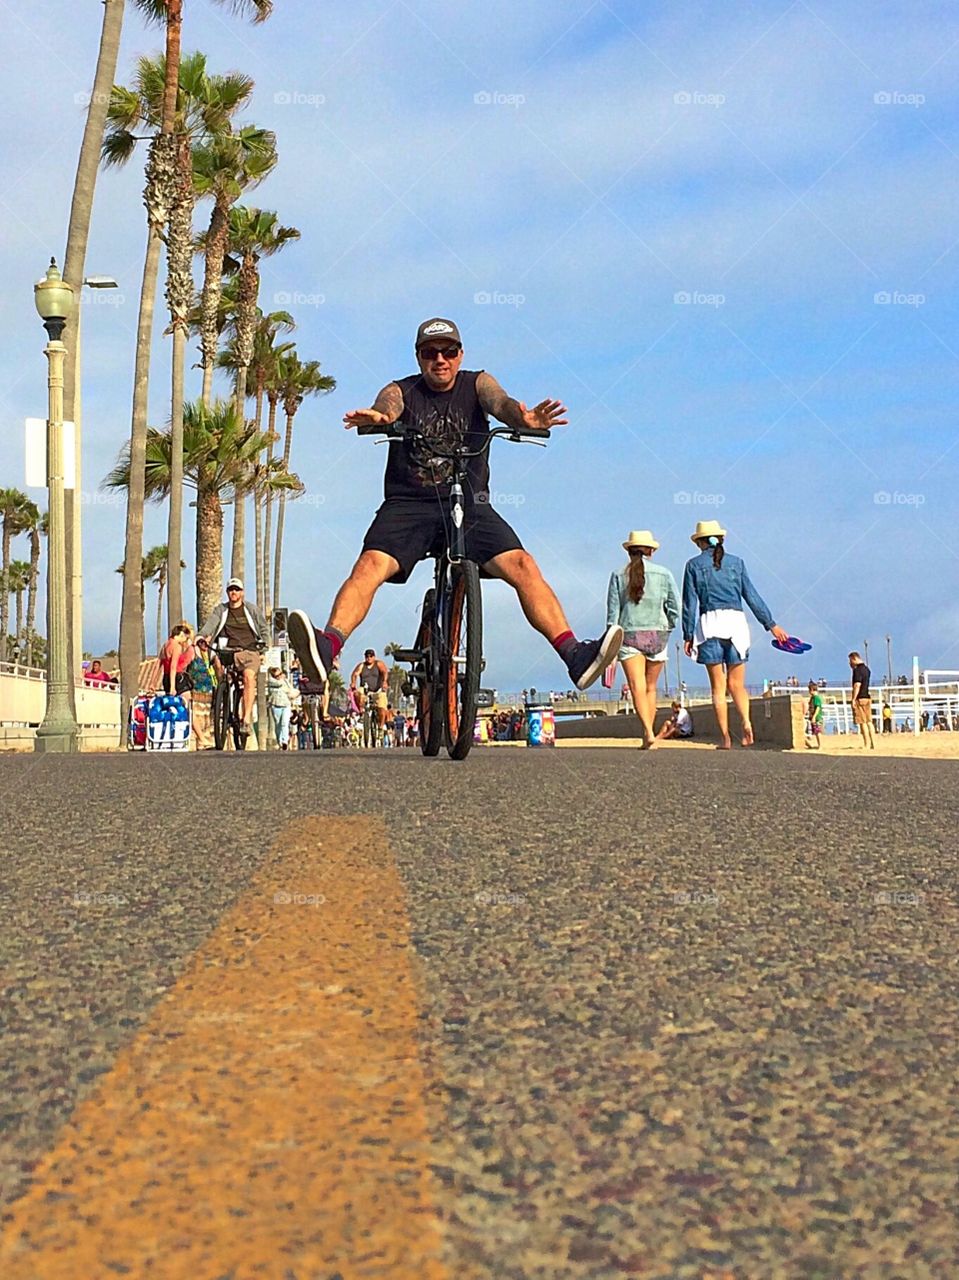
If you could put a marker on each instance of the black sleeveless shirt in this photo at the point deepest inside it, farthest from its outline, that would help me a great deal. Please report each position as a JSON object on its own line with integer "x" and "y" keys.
{"x": 445, "y": 417}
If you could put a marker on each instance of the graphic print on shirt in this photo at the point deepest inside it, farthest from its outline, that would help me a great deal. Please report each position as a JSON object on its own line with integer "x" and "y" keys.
{"x": 443, "y": 430}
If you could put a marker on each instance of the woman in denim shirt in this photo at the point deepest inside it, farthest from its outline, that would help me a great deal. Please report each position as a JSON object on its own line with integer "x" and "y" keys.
{"x": 644, "y": 600}
{"x": 715, "y": 584}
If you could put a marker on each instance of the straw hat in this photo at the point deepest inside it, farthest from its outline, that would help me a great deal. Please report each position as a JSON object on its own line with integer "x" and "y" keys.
{"x": 707, "y": 529}
{"x": 640, "y": 538}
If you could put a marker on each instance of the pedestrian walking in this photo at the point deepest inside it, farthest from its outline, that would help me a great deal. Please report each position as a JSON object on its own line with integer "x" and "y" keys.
{"x": 175, "y": 657}
{"x": 886, "y": 718}
{"x": 715, "y": 629}
{"x": 643, "y": 599}
{"x": 280, "y": 696}
{"x": 203, "y": 679}
{"x": 861, "y": 701}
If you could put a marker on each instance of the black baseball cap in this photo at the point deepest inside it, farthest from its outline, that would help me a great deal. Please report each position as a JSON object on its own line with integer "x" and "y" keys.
{"x": 370, "y": 653}
{"x": 437, "y": 330}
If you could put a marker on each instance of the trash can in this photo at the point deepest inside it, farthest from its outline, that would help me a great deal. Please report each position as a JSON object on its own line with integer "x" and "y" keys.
{"x": 540, "y": 726}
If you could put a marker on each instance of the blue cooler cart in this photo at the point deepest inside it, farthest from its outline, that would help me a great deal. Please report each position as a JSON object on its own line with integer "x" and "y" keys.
{"x": 168, "y": 723}
{"x": 540, "y": 726}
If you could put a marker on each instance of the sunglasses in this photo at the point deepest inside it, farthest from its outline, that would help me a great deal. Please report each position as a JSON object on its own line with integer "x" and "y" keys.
{"x": 434, "y": 353}
{"x": 230, "y": 590}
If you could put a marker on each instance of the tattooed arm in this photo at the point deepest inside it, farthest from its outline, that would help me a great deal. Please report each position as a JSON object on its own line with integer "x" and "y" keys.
{"x": 387, "y": 408}
{"x": 514, "y": 413}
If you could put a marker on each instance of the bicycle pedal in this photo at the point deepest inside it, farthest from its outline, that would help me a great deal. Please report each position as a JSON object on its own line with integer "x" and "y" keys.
{"x": 408, "y": 655}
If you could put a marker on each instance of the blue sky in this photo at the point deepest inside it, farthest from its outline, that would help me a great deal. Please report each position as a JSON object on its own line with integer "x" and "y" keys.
{"x": 724, "y": 236}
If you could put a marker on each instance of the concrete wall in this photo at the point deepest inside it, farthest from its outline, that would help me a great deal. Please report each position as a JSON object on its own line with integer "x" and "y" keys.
{"x": 23, "y": 701}
{"x": 777, "y": 722}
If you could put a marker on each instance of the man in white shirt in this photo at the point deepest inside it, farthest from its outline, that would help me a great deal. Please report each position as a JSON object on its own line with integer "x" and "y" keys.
{"x": 679, "y": 724}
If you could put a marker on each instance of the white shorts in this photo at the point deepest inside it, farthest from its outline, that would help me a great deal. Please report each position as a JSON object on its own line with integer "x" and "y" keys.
{"x": 626, "y": 653}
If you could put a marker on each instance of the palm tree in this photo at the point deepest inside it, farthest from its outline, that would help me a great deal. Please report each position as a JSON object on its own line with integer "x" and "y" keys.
{"x": 224, "y": 168}
{"x": 161, "y": 193}
{"x": 253, "y": 234}
{"x": 148, "y": 571}
{"x": 18, "y": 580}
{"x": 297, "y": 381}
{"x": 216, "y": 445}
{"x": 39, "y": 524}
{"x": 155, "y": 570}
{"x": 74, "y": 263}
{"x": 261, "y": 370}
{"x": 397, "y": 676}
{"x": 15, "y": 513}
{"x": 204, "y": 104}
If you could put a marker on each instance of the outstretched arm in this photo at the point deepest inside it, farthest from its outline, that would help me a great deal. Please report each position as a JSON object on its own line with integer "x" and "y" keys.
{"x": 387, "y": 408}
{"x": 514, "y": 413}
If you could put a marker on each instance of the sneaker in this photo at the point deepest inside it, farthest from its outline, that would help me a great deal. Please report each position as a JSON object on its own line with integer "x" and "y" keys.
{"x": 590, "y": 658}
{"x": 312, "y": 647}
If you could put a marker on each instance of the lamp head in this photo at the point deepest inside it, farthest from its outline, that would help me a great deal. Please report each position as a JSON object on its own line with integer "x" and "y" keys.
{"x": 54, "y": 300}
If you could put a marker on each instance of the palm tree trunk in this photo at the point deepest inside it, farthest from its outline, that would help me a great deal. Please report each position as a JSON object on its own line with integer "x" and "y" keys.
{"x": 209, "y": 551}
{"x": 131, "y": 622}
{"x": 238, "y": 556}
{"x": 32, "y": 591}
{"x": 81, "y": 212}
{"x": 175, "y": 526}
{"x": 160, "y": 585}
{"x": 281, "y": 514}
{"x": 19, "y": 616}
{"x": 268, "y": 518}
{"x": 4, "y": 594}
{"x": 258, "y": 510}
{"x": 216, "y": 243}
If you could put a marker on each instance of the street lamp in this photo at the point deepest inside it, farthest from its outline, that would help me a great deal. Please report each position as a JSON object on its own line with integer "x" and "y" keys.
{"x": 59, "y": 731}
{"x": 73, "y": 501}
{"x": 889, "y": 660}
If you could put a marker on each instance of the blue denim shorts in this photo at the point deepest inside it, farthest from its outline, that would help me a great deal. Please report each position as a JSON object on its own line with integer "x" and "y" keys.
{"x": 714, "y": 650}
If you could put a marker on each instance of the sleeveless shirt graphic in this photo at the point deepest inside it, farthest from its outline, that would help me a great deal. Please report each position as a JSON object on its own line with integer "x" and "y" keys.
{"x": 445, "y": 418}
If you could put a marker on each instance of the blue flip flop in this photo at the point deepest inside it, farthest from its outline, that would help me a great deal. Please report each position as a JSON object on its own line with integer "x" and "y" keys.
{"x": 792, "y": 644}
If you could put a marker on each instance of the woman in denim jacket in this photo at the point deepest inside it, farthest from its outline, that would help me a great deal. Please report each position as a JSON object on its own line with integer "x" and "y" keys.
{"x": 715, "y": 584}
{"x": 644, "y": 600}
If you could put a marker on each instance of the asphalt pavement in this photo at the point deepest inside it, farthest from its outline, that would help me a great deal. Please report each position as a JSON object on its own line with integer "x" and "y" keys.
{"x": 587, "y": 1013}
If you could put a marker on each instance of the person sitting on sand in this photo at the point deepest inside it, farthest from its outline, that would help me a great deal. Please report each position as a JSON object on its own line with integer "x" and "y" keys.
{"x": 679, "y": 724}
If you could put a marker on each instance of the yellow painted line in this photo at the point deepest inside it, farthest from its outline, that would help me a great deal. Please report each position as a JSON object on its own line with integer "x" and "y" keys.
{"x": 269, "y": 1120}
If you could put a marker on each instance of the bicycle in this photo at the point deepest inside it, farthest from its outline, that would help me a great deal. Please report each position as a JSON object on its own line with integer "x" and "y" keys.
{"x": 228, "y": 703}
{"x": 446, "y": 659}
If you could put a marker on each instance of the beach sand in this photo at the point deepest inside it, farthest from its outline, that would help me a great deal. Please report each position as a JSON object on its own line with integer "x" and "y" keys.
{"x": 928, "y": 746}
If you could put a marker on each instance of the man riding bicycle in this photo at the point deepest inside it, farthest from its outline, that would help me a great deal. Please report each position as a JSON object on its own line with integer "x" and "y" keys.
{"x": 371, "y": 675}
{"x": 446, "y": 404}
{"x": 245, "y": 630}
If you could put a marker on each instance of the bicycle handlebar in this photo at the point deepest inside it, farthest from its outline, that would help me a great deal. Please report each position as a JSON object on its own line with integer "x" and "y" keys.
{"x": 394, "y": 431}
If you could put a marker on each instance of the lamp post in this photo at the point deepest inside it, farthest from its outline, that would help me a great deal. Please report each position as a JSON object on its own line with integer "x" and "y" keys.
{"x": 865, "y": 652}
{"x": 73, "y": 502}
{"x": 59, "y": 731}
{"x": 889, "y": 660}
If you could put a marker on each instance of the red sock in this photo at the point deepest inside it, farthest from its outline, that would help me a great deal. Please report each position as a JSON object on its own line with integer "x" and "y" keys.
{"x": 563, "y": 642}
{"x": 336, "y": 639}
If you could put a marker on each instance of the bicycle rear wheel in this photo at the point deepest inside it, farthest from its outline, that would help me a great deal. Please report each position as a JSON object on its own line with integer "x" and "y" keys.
{"x": 464, "y": 660}
{"x": 236, "y": 720}
{"x": 429, "y": 696}
{"x": 221, "y": 713}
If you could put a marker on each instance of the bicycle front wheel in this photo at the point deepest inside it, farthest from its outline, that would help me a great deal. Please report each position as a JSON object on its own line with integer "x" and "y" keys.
{"x": 221, "y": 714}
{"x": 429, "y": 704}
{"x": 464, "y": 659}
{"x": 239, "y": 729}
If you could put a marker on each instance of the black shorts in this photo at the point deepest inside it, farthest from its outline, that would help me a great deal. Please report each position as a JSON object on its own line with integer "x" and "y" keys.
{"x": 410, "y": 530}
{"x": 184, "y": 682}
